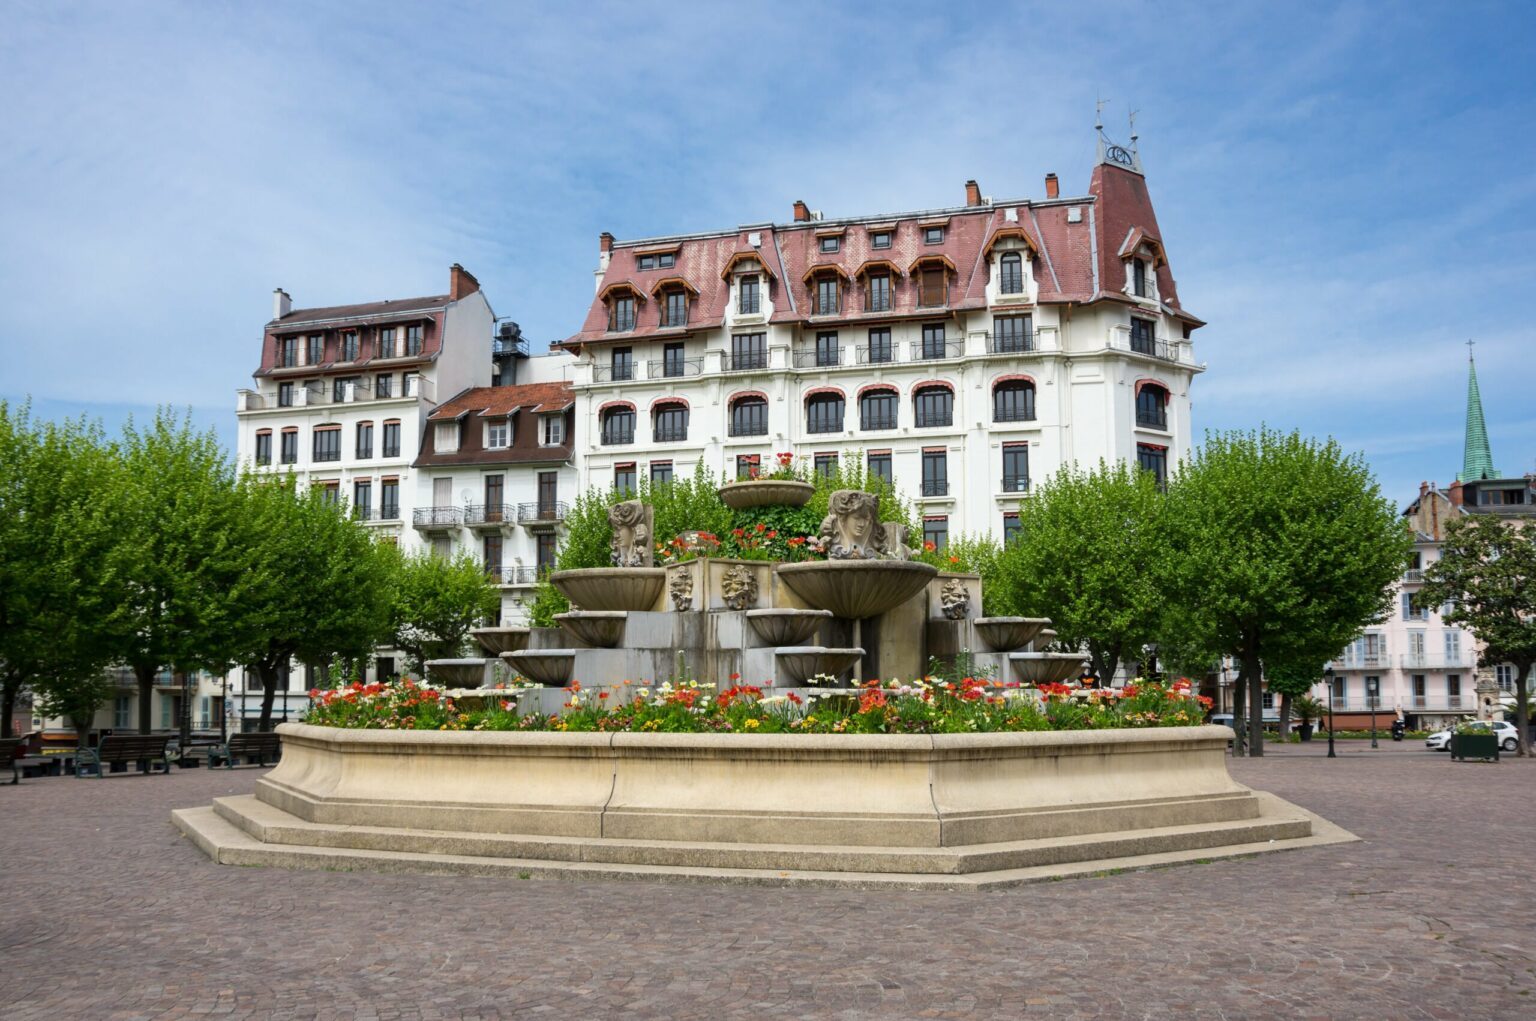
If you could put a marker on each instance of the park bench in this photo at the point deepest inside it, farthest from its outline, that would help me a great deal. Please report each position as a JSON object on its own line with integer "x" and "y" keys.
{"x": 259, "y": 746}
{"x": 145, "y": 749}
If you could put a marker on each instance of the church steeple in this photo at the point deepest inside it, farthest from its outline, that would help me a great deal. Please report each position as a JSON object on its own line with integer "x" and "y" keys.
{"x": 1476, "y": 458}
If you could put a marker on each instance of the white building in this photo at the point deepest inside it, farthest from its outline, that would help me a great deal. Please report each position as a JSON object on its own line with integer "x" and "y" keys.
{"x": 959, "y": 351}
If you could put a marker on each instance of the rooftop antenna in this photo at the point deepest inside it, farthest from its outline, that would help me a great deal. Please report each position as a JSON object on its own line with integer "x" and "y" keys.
{"x": 1134, "y": 136}
{"x": 1098, "y": 123}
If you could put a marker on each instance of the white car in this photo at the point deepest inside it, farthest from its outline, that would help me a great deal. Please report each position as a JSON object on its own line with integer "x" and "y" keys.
{"x": 1440, "y": 740}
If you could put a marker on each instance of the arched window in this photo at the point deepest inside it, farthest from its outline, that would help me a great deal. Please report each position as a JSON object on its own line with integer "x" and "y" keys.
{"x": 749, "y": 416}
{"x": 1013, "y": 400}
{"x": 1152, "y": 406}
{"x": 669, "y": 422}
{"x": 618, "y": 425}
{"x": 877, "y": 409}
{"x": 1011, "y": 273}
{"x": 824, "y": 413}
{"x": 933, "y": 406}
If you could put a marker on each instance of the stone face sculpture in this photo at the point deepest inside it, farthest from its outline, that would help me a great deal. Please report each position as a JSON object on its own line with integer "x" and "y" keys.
{"x": 631, "y": 521}
{"x": 739, "y": 587}
{"x": 851, "y": 530}
{"x": 681, "y": 590}
{"x": 895, "y": 545}
{"x": 955, "y": 599}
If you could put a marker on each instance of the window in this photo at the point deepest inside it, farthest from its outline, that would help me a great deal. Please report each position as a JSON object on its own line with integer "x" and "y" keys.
{"x": 1013, "y": 400}
{"x": 553, "y": 430}
{"x": 1420, "y": 691}
{"x": 290, "y": 449}
{"x": 391, "y": 439}
{"x": 661, "y": 473}
{"x": 1453, "y": 691}
{"x": 330, "y": 493}
{"x": 1153, "y": 459}
{"x": 122, "y": 709}
{"x": 1139, "y": 278}
{"x": 931, "y": 281}
{"x": 665, "y": 260}
{"x": 1505, "y": 675}
{"x": 1012, "y": 335}
{"x": 1412, "y": 611}
{"x": 826, "y": 465}
{"x": 880, "y": 466}
{"x": 624, "y": 477}
{"x": 386, "y": 342}
{"x": 877, "y": 409}
{"x": 824, "y": 413}
{"x": 1452, "y": 641}
{"x": 498, "y": 433}
{"x": 445, "y": 437}
{"x": 1011, "y": 527}
{"x": 749, "y": 417}
{"x": 315, "y": 354}
{"x": 389, "y": 499}
{"x": 341, "y": 386}
{"x": 747, "y": 466}
{"x": 545, "y": 552}
{"x": 672, "y": 363}
{"x": 288, "y": 348}
{"x": 491, "y": 550}
{"x": 830, "y": 245}
{"x": 413, "y": 340}
{"x": 264, "y": 447}
{"x": 749, "y": 351}
{"x": 826, "y": 296}
{"x": 936, "y": 531}
{"x": 382, "y": 385}
{"x": 748, "y": 296}
{"x": 362, "y": 499}
{"x": 285, "y": 395}
{"x": 933, "y": 406}
{"x": 1340, "y": 693}
{"x": 327, "y": 444}
{"x": 933, "y": 340}
{"x": 349, "y": 346}
{"x": 880, "y": 239}
{"x": 878, "y": 294}
{"x": 879, "y": 349}
{"x": 827, "y": 350}
{"x": 935, "y": 473}
{"x": 1015, "y": 467}
{"x": 363, "y": 441}
{"x": 621, "y": 314}
{"x": 549, "y": 494}
{"x": 670, "y": 423}
{"x": 1141, "y": 336}
{"x": 621, "y": 363}
{"x": 933, "y": 235}
{"x": 1152, "y": 407}
{"x": 676, "y": 310}
{"x": 618, "y": 426}
{"x": 1010, "y": 277}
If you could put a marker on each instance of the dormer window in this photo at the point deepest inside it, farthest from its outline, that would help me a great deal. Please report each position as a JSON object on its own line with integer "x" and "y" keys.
{"x": 288, "y": 355}
{"x": 349, "y": 346}
{"x": 498, "y": 433}
{"x": 878, "y": 293}
{"x": 830, "y": 244}
{"x": 748, "y": 296}
{"x": 1010, "y": 277}
{"x": 413, "y": 340}
{"x": 675, "y": 310}
{"x": 445, "y": 437}
{"x": 827, "y": 297}
{"x": 621, "y": 314}
{"x": 933, "y": 235}
{"x": 553, "y": 431}
{"x": 656, "y": 260}
{"x": 880, "y": 239}
{"x": 1139, "y": 278}
{"x": 316, "y": 351}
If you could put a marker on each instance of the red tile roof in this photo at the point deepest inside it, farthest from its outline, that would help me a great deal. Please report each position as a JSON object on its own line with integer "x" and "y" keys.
{"x": 495, "y": 401}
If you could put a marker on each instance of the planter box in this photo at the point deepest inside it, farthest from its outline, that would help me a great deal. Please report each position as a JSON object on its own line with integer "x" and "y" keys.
{"x": 1475, "y": 746}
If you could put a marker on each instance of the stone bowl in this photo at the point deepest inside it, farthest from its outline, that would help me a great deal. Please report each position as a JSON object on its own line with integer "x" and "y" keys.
{"x": 611, "y": 588}
{"x": 1040, "y": 641}
{"x": 549, "y": 667}
{"x": 1005, "y": 634}
{"x": 856, "y": 589}
{"x": 786, "y": 627}
{"x": 458, "y": 673}
{"x": 601, "y": 629}
{"x": 766, "y": 493}
{"x": 1047, "y": 667}
{"x": 803, "y": 662}
{"x": 496, "y": 640}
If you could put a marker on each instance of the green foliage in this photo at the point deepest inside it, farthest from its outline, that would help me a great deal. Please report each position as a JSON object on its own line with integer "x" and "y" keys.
{"x": 588, "y": 538}
{"x": 691, "y": 503}
{"x": 975, "y": 554}
{"x": 1307, "y": 709}
{"x": 547, "y": 601}
{"x": 437, "y": 601}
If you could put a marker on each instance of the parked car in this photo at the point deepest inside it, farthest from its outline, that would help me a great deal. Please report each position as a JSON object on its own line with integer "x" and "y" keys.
{"x": 1440, "y": 740}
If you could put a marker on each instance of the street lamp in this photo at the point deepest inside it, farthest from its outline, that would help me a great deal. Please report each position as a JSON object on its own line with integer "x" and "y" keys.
{"x": 1328, "y": 676}
{"x": 1373, "y": 695}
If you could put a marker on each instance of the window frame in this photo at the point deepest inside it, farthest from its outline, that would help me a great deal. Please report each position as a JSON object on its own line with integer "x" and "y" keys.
{"x": 749, "y": 295}
{"x": 669, "y": 422}
{"x": 740, "y": 424}
{"x": 928, "y": 411}
{"x": 1006, "y": 389}
{"x": 1010, "y": 273}
{"x": 876, "y": 235}
{"x": 820, "y": 420}
{"x": 610, "y": 433}
{"x": 879, "y": 409}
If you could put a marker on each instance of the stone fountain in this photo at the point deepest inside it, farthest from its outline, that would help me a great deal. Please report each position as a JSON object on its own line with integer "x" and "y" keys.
{"x": 632, "y": 583}
{"x": 458, "y": 673}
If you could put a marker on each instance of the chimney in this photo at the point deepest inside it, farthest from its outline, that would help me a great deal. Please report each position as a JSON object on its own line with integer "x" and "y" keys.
{"x": 802, "y": 211}
{"x": 1423, "y": 490}
{"x": 1052, "y": 186}
{"x": 972, "y": 193}
{"x": 605, "y": 243}
{"x": 282, "y": 304}
{"x": 1455, "y": 493}
{"x": 461, "y": 283}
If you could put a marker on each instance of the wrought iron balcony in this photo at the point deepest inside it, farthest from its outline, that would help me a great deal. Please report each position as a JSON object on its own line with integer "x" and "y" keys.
{"x": 488, "y": 515}
{"x": 818, "y": 358}
{"x": 437, "y": 518}
{"x": 542, "y": 512}
{"x": 877, "y": 354}
{"x": 930, "y": 352}
{"x": 512, "y": 575}
{"x": 672, "y": 368}
{"x": 935, "y": 487}
{"x": 746, "y": 361}
{"x": 1152, "y": 421}
{"x": 1015, "y": 483}
{"x": 617, "y": 373}
{"x": 872, "y": 422}
{"x": 1413, "y": 574}
{"x": 1011, "y": 344}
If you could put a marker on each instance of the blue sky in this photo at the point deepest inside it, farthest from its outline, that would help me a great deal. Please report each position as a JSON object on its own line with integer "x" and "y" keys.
{"x": 1346, "y": 191}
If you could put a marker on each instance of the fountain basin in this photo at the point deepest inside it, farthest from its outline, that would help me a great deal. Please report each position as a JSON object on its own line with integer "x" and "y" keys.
{"x": 458, "y": 673}
{"x": 786, "y": 627}
{"x": 1041, "y": 640}
{"x": 601, "y": 629}
{"x": 496, "y": 640}
{"x": 803, "y": 662}
{"x": 549, "y": 667}
{"x": 856, "y": 589}
{"x": 766, "y": 493}
{"x": 611, "y": 588}
{"x": 1047, "y": 667}
{"x": 1005, "y": 634}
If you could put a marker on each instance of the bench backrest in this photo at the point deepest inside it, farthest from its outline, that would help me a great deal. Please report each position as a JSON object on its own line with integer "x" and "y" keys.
{"x": 12, "y": 748}
{"x": 130, "y": 745}
{"x": 254, "y": 742}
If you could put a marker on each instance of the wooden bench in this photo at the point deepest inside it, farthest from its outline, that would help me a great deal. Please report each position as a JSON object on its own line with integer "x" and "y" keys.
{"x": 260, "y": 746}
{"x": 145, "y": 749}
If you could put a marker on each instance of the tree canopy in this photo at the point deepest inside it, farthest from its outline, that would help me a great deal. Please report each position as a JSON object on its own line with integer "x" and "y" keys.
{"x": 435, "y": 601}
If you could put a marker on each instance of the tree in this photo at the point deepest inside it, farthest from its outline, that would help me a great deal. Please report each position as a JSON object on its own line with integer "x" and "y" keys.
{"x": 1085, "y": 556}
{"x": 1487, "y": 575}
{"x": 74, "y": 696}
{"x": 1291, "y": 680}
{"x": 314, "y": 585}
{"x": 1280, "y": 550}
{"x": 435, "y": 603}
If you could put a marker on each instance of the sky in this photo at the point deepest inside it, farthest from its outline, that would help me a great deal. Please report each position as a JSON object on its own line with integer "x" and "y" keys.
{"x": 1347, "y": 192}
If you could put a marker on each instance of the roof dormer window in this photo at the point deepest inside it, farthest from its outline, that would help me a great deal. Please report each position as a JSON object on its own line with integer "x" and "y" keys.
{"x": 445, "y": 437}
{"x": 656, "y": 260}
{"x": 621, "y": 313}
{"x": 498, "y": 433}
{"x": 1011, "y": 273}
{"x": 674, "y": 311}
{"x": 829, "y": 245}
{"x": 1139, "y": 278}
{"x": 933, "y": 235}
{"x": 880, "y": 239}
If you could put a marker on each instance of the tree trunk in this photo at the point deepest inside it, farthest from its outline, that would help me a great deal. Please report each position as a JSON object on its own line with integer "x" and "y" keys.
{"x": 10, "y": 688}
{"x": 1522, "y": 708}
{"x": 1104, "y": 661}
{"x": 82, "y": 732}
{"x": 1239, "y": 713}
{"x": 1255, "y": 672}
{"x": 268, "y": 675}
{"x": 1285, "y": 715}
{"x": 146, "y": 678}
{"x": 184, "y": 724}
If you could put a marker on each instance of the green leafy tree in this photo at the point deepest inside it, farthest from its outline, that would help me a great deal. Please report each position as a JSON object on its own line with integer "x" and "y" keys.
{"x": 1487, "y": 575}
{"x": 1086, "y": 555}
{"x": 436, "y": 601}
{"x": 1281, "y": 549}
{"x": 1291, "y": 681}
{"x": 75, "y": 696}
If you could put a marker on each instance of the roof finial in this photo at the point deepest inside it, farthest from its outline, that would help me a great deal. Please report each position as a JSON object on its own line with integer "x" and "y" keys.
{"x": 1109, "y": 151}
{"x": 1477, "y": 457}
{"x": 1134, "y": 136}
{"x": 1470, "y": 342}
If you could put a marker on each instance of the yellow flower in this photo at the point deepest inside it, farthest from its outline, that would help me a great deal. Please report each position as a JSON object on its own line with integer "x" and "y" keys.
{"x": 751, "y": 724}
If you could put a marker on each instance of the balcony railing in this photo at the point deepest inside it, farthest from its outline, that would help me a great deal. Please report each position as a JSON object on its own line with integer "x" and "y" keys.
{"x": 670, "y": 435}
{"x": 1151, "y": 346}
{"x": 437, "y": 517}
{"x": 826, "y": 307}
{"x": 674, "y": 322}
{"x": 516, "y": 574}
{"x": 930, "y": 352}
{"x": 619, "y": 373}
{"x": 935, "y": 487}
{"x": 824, "y": 425}
{"x": 618, "y": 437}
{"x": 1367, "y": 661}
{"x": 481, "y": 514}
{"x": 870, "y": 422}
{"x": 1434, "y": 661}
{"x": 935, "y": 421}
{"x": 746, "y": 360}
{"x": 1158, "y": 421}
{"x": 818, "y": 358}
{"x": 1413, "y": 574}
{"x": 541, "y": 512}
{"x": 878, "y": 354}
{"x": 1011, "y": 344}
{"x": 1015, "y": 483}
{"x": 672, "y": 368}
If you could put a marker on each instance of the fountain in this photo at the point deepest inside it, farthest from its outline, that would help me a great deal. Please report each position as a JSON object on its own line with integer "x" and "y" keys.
{"x": 1047, "y": 667}
{"x": 786, "y": 627}
{"x": 601, "y": 629}
{"x": 867, "y": 572}
{"x": 549, "y": 667}
{"x": 632, "y": 583}
{"x": 496, "y": 640}
{"x": 1007, "y": 634}
{"x": 458, "y": 673}
{"x": 801, "y": 663}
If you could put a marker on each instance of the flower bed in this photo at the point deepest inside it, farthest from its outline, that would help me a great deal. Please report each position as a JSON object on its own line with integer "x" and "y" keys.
{"x": 928, "y": 706}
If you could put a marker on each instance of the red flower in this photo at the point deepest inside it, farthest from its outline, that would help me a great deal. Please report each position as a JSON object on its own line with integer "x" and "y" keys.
{"x": 797, "y": 541}
{"x": 929, "y": 547}
{"x": 738, "y": 532}
{"x": 760, "y": 528}
{"x": 773, "y": 534}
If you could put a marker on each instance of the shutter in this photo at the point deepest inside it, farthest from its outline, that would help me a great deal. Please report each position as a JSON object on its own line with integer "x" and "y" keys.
{"x": 933, "y": 286}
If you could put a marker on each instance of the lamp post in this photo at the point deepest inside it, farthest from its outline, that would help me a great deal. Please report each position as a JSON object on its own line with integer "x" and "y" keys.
{"x": 1374, "y": 696}
{"x": 1328, "y": 677}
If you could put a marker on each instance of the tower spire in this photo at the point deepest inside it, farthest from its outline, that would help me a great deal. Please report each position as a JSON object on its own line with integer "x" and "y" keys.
{"x": 1477, "y": 457}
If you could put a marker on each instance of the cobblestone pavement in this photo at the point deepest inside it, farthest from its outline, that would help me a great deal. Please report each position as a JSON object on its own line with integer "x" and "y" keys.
{"x": 109, "y": 915}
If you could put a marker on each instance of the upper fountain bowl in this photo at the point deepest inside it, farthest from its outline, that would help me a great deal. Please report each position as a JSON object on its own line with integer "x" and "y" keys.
{"x": 855, "y": 589}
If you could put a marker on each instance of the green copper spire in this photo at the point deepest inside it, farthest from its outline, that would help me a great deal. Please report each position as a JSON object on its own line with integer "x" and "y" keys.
{"x": 1476, "y": 458}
